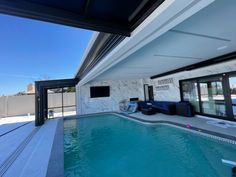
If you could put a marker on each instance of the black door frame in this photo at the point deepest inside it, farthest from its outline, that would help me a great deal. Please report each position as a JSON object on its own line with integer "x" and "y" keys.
{"x": 150, "y": 95}
{"x": 41, "y": 96}
{"x": 226, "y": 91}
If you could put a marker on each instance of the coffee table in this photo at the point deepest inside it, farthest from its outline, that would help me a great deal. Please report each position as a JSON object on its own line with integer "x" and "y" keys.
{"x": 148, "y": 111}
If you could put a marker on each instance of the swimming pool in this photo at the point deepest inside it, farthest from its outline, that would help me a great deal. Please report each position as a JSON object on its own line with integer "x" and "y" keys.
{"x": 112, "y": 146}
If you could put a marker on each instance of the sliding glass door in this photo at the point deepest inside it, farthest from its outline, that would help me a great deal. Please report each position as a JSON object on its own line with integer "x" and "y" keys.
{"x": 190, "y": 93}
{"x": 61, "y": 101}
{"x": 232, "y": 85}
{"x": 212, "y": 96}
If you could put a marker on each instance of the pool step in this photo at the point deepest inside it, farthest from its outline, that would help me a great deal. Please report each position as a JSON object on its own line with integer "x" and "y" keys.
{"x": 9, "y": 161}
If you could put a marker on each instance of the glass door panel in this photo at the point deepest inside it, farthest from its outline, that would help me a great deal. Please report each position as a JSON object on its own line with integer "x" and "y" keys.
{"x": 190, "y": 93}
{"x": 55, "y": 103}
{"x": 232, "y": 83}
{"x": 212, "y": 97}
{"x": 69, "y": 103}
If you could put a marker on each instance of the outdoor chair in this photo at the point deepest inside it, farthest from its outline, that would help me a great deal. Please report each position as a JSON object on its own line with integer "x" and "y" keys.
{"x": 131, "y": 108}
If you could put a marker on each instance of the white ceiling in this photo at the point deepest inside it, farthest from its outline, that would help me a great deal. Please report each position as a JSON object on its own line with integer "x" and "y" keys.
{"x": 209, "y": 33}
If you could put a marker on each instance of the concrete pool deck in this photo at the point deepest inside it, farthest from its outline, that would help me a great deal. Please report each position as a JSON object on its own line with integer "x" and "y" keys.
{"x": 41, "y": 148}
{"x": 203, "y": 123}
{"x": 26, "y": 149}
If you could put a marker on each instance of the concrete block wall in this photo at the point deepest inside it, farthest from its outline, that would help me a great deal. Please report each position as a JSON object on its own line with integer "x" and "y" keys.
{"x": 22, "y": 105}
{"x": 16, "y": 105}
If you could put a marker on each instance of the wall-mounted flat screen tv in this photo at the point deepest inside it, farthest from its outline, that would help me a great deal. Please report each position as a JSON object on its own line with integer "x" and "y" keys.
{"x": 100, "y": 91}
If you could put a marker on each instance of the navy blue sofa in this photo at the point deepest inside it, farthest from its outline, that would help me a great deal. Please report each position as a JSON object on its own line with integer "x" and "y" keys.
{"x": 166, "y": 107}
{"x": 144, "y": 105}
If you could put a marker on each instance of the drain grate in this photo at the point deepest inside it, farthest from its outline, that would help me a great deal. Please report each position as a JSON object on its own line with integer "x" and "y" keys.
{"x": 9, "y": 161}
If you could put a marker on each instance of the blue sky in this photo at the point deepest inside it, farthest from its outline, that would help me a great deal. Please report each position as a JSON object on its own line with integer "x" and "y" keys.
{"x": 33, "y": 50}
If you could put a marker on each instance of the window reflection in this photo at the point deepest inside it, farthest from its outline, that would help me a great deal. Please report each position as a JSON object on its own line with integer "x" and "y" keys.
{"x": 212, "y": 98}
{"x": 232, "y": 83}
{"x": 190, "y": 93}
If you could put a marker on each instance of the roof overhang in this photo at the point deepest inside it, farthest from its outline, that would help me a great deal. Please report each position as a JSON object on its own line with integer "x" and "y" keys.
{"x": 111, "y": 16}
{"x": 99, "y": 46}
{"x": 168, "y": 15}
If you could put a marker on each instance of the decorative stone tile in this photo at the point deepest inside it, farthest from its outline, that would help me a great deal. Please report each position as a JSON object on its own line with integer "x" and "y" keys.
{"x": 119, "y": 90}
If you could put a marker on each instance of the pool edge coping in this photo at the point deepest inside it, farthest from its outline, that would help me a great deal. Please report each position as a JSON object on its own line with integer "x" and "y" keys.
{"x": 56, "y": 159}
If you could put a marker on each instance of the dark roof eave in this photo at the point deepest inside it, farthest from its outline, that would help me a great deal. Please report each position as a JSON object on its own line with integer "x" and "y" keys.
{"x": 103, "y": 44}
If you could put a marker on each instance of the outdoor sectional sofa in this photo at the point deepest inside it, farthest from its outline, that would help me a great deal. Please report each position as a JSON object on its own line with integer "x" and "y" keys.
{"x": 165, "y": 107}
{"x": 168, "y": 107}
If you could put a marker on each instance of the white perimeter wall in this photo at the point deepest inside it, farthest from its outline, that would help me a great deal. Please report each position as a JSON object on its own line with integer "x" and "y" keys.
{"x": 24, "y": 104}
{"x": 173, "y": 93}
{"x": 119, "y": 90}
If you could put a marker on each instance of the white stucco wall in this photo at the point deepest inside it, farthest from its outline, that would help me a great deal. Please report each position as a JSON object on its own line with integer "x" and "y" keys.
{"x": 173, "y": 93}
{"x": 119, "y": 90}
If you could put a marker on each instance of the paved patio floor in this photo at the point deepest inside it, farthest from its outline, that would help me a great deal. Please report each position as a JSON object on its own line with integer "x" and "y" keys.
{"x": 211, "y": 124}
{"x": 26, "y": 149}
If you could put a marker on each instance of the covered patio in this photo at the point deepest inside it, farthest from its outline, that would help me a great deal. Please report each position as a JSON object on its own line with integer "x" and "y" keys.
{"x": 158, "y": 44}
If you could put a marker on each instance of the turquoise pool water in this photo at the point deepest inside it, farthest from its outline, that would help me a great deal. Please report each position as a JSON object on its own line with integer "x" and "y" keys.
{"x": 111, "y": 146}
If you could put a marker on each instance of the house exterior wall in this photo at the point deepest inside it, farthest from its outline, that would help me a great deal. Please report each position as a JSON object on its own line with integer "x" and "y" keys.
{"x": 119, "y": 90}
{"x": 161, "y": 93}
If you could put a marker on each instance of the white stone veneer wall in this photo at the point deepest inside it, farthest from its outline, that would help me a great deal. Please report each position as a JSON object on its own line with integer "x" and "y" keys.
{"x": 173, "y": 93}
{"x": 119, "y": 90}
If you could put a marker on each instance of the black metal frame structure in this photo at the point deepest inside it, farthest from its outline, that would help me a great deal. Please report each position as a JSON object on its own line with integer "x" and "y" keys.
{"x": 110, "y": 16}
{"x": 226, "y": 91}
{"x": 41, "y": 96}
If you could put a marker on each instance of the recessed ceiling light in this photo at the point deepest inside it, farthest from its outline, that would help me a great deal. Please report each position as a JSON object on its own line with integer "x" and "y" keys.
{"x": 222, "y": 47}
